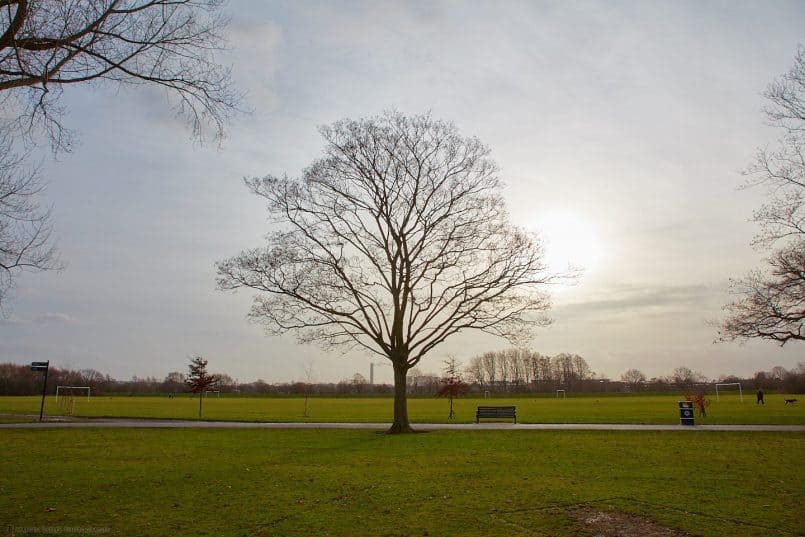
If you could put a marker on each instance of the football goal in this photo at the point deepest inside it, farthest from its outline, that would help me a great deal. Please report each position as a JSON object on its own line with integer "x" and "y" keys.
{"x": 208, "y": 392}
{"x": 564, "y": 395}
{"x": 69, "y": 391}
{"x": 740, "y": 391}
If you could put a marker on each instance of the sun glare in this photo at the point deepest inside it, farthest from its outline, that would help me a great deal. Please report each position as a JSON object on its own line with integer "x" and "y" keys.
{"x": 569, "y": 240}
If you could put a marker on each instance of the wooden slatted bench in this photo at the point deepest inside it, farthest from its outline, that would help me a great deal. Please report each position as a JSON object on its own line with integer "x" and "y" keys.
{"x": 496, "y": 412}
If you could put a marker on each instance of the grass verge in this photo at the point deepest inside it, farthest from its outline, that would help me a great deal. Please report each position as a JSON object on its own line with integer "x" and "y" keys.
{"x": 300, "y": 482}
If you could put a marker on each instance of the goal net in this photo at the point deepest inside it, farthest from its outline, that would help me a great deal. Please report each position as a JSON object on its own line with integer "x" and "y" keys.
{"x": 65, "y": 397}
{"x": 722, "y": 385}
{"x": 71, "y": 391}
{"x": 564, "y": 395}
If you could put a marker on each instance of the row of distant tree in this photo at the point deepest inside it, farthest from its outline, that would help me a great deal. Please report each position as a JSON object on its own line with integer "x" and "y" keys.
{"x": 514, "y": 369}
{"x": 507, "y": 371}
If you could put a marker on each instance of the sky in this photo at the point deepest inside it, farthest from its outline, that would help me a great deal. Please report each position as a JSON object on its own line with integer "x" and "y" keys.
{"x": 620, "y": 128}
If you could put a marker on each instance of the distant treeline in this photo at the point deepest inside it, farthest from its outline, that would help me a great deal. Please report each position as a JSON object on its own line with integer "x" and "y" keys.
{"x": 16, "y": 379}
{"x": 526, "y": 371}
{"x": 512, "y": 371}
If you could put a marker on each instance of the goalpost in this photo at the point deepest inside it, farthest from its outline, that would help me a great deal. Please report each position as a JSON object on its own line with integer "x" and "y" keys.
{"x": 65, "y": 397}
{"x": 740, "y": 391}
{"x": 564, "y": 395}
{"x": 61, "y": 389}
{"x": 217, "y": 392}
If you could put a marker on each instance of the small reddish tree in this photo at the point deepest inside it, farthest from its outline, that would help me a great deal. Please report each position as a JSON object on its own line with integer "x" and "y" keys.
{"x": 452, "y": 385}
{"x": 198, "y": 380}
{"x": 700, "y": 402}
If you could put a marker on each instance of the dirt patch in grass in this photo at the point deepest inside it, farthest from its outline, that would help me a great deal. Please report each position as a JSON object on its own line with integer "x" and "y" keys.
{"x": 615, "y": 524}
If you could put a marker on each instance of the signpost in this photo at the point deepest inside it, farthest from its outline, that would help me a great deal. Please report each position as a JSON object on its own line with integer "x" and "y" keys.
{"x": 42, "y": 366}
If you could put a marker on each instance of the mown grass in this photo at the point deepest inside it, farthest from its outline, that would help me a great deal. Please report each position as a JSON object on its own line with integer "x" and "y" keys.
{"x": 656, "y": 409}
{"x": 303, "y": 482}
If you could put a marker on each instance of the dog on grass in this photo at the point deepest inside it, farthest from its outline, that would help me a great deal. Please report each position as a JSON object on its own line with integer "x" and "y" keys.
{"x": 790, "y": 401}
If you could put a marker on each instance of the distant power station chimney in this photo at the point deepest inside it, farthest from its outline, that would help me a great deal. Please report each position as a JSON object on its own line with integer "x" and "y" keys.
{"x": 372, "y": 372}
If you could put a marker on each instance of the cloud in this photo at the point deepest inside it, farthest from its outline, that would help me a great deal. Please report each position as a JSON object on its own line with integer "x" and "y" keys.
{"x": 630, "y": 300}
{"x": 48, "y": 318}
{"x": 12, "y": 320}
{"x": 45, "y": 318}
{"x": 53, "y": 318}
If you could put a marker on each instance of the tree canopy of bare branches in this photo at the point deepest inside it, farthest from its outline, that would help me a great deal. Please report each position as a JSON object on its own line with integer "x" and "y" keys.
{"x": 770, "y": 302}
{"x": 511, "y": 369}
{"x": 633, "y": 376}
{"x": 393, "y": 241}
{"x": 25, "y": 226}
{"x": 47, "y": 45}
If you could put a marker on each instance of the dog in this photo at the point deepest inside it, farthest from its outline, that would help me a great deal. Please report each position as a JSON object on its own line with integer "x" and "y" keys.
{"x": 790, "y": 401}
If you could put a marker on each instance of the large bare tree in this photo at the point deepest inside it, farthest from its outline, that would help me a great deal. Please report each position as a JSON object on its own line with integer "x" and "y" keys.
{"x": 393, "y": 241}
{"x": 46, "y": 45}
{"x": 770, "y": 302}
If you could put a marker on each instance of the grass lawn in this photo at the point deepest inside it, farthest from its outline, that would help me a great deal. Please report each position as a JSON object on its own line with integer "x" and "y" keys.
{"x": 656, "y": 409}
{"x": 302, "y": 482}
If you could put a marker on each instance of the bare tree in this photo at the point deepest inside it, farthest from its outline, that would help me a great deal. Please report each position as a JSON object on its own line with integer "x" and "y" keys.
{"x": 46, "y": 45}
{"x": 581, "y": 369}
{"x": 173, "y": 381}
{"x": 770, "y": 303}
{"x": 684, "y": 375}
{"x": 633, "y": 376}
{"x": 777, "y": 372}
{"x": 359, "y": 383}
{"x": 543, "y": 372}
{"x": 224, "y": 382}
{"x": 562, "y": 365}
{"x": 504, "y": 369}
{"x": 476, "y": 372}
{"x": 489, "y": 361}
{"x": 524, "y": 358}
{"x": 395, "y": 240}
{"x": 25, "y": 227}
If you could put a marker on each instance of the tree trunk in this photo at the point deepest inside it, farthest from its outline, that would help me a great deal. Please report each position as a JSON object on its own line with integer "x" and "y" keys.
{"x": 200, "y": 395}
{"x": 400, "y": 424}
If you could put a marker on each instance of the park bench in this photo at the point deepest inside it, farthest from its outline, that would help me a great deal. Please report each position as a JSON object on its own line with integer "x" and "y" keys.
{"x": 496, "y": 412}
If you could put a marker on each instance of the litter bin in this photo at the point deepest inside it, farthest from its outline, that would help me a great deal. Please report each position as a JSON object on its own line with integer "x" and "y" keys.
{"x": 686, "y": 412}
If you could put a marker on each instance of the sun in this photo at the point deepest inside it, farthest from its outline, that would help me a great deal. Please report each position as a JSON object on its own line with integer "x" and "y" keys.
{"x": 569, "y": 240}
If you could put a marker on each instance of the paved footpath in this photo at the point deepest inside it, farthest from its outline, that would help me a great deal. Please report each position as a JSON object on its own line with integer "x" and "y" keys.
{"x": 194, "y": 424}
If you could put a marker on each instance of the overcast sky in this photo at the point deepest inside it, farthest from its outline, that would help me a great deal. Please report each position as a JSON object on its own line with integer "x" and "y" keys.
{"x": 620, "y": 129}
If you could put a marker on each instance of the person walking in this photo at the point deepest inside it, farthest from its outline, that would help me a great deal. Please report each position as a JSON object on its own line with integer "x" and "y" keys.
{"x": 760, "y": 400}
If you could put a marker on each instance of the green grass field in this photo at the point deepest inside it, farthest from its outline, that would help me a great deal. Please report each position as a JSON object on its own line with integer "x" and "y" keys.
{"x": 655, "y": 409}
{"x": 302, "y": 482}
